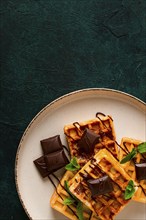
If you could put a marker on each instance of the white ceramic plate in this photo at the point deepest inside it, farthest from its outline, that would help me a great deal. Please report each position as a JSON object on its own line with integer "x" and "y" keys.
{"x": 129, "y": 114}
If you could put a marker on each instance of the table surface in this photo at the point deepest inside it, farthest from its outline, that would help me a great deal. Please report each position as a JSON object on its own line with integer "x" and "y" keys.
{"x": 50, "y": 48}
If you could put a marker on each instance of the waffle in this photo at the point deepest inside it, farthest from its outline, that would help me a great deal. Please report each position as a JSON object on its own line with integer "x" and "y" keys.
{"x": 128, "y": 144}
{"x": 103, "y": 126}
{"x": 106, "y": 206}
{"x": 70, "y": 211}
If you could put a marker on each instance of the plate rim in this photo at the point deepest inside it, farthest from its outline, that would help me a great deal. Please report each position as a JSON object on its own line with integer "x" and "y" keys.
{"x": 46, "y": 107}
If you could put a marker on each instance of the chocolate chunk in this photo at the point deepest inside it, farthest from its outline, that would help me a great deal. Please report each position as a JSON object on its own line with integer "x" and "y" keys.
{"x": 55, "y": 161}
{"x": 100, "y": 186}
{"x": 51, "y": 144}
{"x": 88, "y": 141}
{"x": 41, "y": 166}
{"x": 140, "y": 171}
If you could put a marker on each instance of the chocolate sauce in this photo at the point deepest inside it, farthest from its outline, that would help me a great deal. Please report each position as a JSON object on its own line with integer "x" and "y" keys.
{"x": 126, "y": 152}
{"x": 109, "y": 133}
{"x": 124, "y": 143}
{"x": 85, "y": 176}
{"x": 77, "y": 126}
{"x": 142, "y": 189}
{"x": 69, "y": 136}
{"x": 100, "y": 113}
{"x": 80, "y": 189}
{"x": 110, "y": 117}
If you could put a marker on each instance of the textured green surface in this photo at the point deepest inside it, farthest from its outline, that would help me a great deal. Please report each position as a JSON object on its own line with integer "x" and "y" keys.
{"x": 50, "y": 48}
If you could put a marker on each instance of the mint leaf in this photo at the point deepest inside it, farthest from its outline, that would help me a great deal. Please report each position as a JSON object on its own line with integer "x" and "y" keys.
{"x": 130, "y": 156}
{"x": 68, "y": 201}
{"x": 130, "y": 190}
{"x": 72, "y": 200}
{"x": 80, "y": 210}
{"x": 70, "y": 167}
{"x": 142, "y": 148}
{"x": 73, "y": 165}
{"x": 66, "y": 185}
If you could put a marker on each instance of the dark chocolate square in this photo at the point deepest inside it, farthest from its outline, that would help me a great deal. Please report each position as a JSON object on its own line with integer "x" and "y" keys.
{"x": 56, "y": 160}
{"x": 140, "y": 171}
{"x": 88, "y": 141}
{"x": 100, "y": 186}
{"x": 41, "y": 166}
{"x": 51, "y": 144}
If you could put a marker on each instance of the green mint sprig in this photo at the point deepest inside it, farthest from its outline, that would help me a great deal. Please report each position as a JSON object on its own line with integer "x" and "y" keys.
{"x": 130, "y": 190}
{"x": 66, "y": 185}
{"x": 80, "y": 210}
{"x": 141, "y": 148}
{"x": 73, "y": 200}
{"x": 73, "y": 165}
{"x": 68, "y": 201}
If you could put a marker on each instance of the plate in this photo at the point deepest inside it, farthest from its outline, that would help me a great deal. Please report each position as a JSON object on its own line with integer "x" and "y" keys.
{"x": 129, "y": 114}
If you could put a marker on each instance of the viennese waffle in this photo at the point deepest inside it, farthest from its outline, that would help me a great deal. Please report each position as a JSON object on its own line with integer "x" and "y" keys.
{"x": 127, "y": 144}
{"x": 60, "y": 194}
{"x": 106, "y": 206}
{"x": 102, "y": 126}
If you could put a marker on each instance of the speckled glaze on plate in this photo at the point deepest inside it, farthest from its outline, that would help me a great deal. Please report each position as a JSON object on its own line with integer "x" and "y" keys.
{"x": 129, "y": 114}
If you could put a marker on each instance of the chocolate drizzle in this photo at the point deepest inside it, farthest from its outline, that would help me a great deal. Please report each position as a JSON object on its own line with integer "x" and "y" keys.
{"x": 124, "y": 143}
{"x": 79, "y": 131}
{"x": 142, "y": 189}
{"x": 100, "y": 113}
{"x": 126, "y": 152}
{"x": 69, "y": 136}
{"x": 58, "y": 193}
{"x": 109, "y": 134}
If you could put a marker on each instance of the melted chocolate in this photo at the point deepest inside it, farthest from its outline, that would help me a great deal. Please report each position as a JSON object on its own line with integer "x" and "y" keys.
{"x": 140, "y": 171}
{"x": 55, "y": 161}
{"x": 51, "y": 144}
{"x": 100, "y": 186}
{"x": 100, "y": 113}
{"x": 88, "y": 141}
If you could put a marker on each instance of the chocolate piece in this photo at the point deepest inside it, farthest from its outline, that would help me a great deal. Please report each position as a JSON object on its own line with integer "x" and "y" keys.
{"x": 51, "y": 144}
{"x": 88, "y": 141}
{"x": 140, "y": 171}
{"x": 100, "y": 186}
{"x": 56, "y": 160}
{"x": 41, "y": 166}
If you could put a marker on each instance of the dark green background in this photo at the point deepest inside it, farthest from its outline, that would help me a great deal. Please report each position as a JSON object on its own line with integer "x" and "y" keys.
{"x": 50, "y": 48}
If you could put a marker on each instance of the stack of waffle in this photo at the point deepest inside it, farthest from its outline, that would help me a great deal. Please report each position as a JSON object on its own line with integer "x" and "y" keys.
{"x": 99, "y": 160}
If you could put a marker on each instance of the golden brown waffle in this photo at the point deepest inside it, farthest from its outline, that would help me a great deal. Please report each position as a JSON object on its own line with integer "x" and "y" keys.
{"x": 128, "y": 144}
{"x": 69, "y": 211}
{"x": 102, "y": 126}
{"x": 109, "y": 204}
